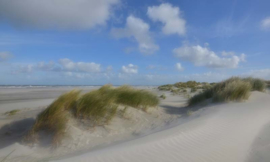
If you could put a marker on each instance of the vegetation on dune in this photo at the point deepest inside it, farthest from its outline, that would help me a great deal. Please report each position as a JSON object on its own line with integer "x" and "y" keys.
{"x": 98, "y": 107}
{"x": 267, "y": 84}
{"x": 181, "y": 87}
{"x": 12, "y": 112}
{"x": 233, "y": 89}
{"x": 54, "y": 118}
{"x": 163, "y": 96}
{"x": 128, "y": 96}
{"x": 256, "y": 84}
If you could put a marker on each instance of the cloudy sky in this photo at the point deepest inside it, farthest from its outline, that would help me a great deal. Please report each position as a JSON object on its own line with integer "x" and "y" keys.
{"x": 142, "y": 42}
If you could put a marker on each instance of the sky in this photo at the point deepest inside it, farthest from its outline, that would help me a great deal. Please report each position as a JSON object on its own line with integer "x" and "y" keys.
{"x": 142, "y": 42}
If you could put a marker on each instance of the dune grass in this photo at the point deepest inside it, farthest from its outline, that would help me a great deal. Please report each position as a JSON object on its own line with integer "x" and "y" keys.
{"x": 163, "y": 96}
{"x": 256, "y": 84}
{"x": 233, "y": 89}
{"x": 12, "y": 112}
{"x": 54, "y": 118}
{"x": 140, "y": 99}
{"x": 98, "y": 106}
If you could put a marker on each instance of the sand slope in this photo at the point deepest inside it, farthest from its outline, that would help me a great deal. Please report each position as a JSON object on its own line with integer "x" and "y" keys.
{"x": 222, "y": 133}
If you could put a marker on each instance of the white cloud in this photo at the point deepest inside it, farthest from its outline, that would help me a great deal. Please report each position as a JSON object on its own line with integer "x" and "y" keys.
{"x": 170, "y": 16}
{"x": 130, "y": 69}
{"x": 265, "y": 23}
{"x": 203, "y": 56}
{"x": 88, "y": 67}
{"x": 61, "y": 14}
{"x": 4, "y": 56}
{"x": 179, "y": 67}
{"x": 262, "y": 73}
{"x": 138, "y": 29}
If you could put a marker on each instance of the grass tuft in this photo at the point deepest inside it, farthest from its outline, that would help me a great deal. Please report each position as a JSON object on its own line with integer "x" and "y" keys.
{"x": 256, "y": 84}
{"x": 233, "y": 89}
{"x": 163, "y": 96}
{"x": 12, "y": 112}
{"x": 54, "y": 118}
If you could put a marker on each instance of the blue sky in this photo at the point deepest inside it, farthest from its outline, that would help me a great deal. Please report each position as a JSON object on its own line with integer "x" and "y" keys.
{"x": 143, "y": 42}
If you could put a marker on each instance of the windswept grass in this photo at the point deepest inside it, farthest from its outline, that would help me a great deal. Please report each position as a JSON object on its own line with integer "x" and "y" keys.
{"x": 233, "y": 89}
{"x": 256, "y": 84}
{"x": 12, "y": 112}
{"x": 98, "y": 106}
{"x": 54, "y": 118}
{"x": 141, "y": 99}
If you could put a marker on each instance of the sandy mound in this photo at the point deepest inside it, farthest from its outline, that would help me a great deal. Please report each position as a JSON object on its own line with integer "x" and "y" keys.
{"x": 221, "y": 133}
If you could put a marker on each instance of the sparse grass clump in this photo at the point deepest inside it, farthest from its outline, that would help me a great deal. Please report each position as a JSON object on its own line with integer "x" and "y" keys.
{"x": 12, "y": 112}
{"x": 163, "y": 96}
{"x": 233, "y": 89}
{"x": 167, "y": 87}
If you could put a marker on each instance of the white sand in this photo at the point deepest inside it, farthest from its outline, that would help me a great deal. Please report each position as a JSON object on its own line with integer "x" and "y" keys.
{"x": 222, "y": 133}
{"x": 79, "y": 139}
{"x": 230, "y": 132}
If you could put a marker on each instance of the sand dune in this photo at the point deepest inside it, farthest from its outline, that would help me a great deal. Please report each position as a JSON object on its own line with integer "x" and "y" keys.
{"x": 221, "y": 133}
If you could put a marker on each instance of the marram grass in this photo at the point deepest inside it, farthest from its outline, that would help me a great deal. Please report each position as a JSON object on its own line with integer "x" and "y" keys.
{"x": 233, "y": 89}
{"x": 98, "y": 106}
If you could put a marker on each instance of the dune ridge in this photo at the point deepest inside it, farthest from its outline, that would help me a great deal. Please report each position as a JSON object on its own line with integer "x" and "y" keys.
{"x": 222, "y": 133}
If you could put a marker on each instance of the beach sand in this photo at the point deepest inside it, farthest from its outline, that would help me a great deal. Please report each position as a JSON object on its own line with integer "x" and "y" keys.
{"x": 234, "y": 132}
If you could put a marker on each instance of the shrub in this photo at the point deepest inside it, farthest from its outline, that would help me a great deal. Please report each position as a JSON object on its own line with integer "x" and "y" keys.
{"x": 233, "y": 89}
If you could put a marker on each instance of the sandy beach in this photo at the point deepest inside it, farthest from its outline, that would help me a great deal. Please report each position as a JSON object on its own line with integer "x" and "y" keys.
{"x": 236, "y": 132}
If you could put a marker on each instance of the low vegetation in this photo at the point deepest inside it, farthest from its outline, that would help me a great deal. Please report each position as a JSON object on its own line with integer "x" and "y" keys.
{"x": 181, "y": 87}
{"x": 12, "y": 112}
{"x": 163, "y": 96}
{"x": 233, "y": 89}
{"x": 98, "y": 107}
